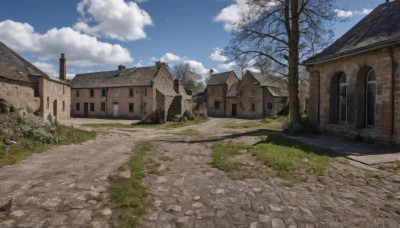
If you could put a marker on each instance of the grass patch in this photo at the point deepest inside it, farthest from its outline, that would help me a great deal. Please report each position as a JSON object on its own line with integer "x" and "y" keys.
{"x": 168, "y": 125}
{"x": 276, "y": 124}
{"x": 165, "y": 158}
{"x": 187, "y": 132}
{"x": 127, "y": 194}
{"x": 223, "y": 151}
{"x": 63, "y": 135}
{"x": 290, "y": 158}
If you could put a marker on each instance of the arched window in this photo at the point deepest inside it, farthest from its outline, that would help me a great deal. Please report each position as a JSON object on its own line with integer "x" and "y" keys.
{"x": 370, "y": 98}
{"x": 342, "y": 98}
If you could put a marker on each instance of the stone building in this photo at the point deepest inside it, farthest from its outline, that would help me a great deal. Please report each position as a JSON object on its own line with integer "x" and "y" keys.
{"x": 256, "y": 96}
{"x": 217, "y": 89}
{"x": 128, "y": 93}
{"x": 355, "y": 82}
{"x": 27, "y": 88}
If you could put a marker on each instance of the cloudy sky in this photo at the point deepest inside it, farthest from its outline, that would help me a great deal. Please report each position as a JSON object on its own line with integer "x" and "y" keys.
{"x": 98, "y": 35}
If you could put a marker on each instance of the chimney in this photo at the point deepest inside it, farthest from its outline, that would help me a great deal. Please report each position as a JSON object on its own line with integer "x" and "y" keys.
{"x": 63, "y": 67}
{"x": 176, "y": 86}
{"x": 211, "y": 71}
{"x": 159, "y": 64}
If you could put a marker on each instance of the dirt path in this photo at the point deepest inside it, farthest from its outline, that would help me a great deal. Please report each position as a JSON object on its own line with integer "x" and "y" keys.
{"x": 65, "y": 187}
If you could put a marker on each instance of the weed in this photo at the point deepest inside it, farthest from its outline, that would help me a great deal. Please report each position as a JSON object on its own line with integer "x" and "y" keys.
{"x": 89, "y": 197}
{"x": 126, "y": 195}
{"x": 165, "y": 158}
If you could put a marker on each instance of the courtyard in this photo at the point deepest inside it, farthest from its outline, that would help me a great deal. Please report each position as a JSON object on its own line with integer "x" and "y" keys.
{"x": 210, "y": 174}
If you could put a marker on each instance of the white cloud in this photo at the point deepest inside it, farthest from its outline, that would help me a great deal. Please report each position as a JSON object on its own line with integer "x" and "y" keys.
{"x": 48, "y": 68}
{"x": 218, "y": 56}
{"x": 170, "y": 57}
{"x": 115, "y": 19}
{"x": 197, "y": 67}
{"x": 235, "y": 13}
{"x": 343, "y": 13}
{"x": 363, "y": 11}
{"x": 227, "y": 66}
{"x": 80, "y": 49}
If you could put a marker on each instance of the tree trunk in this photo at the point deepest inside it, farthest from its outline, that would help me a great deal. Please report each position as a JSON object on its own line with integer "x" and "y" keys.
{"x": 294, "y": 39}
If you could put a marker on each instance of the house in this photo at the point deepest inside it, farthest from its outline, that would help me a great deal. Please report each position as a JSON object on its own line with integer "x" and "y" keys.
{"x": 355, "y": 82}
{"x": 128, "y": 93}
{"x": 256, "y": 96}
{"x": 259, "y": 95}
{"x": 28, "y": 89}
{"x": 217, "y": 89}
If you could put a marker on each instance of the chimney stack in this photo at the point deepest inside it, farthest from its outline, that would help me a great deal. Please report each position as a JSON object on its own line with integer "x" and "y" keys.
{"x": 159, "y": 64}
{"x": 121, "y": 67}
{"x": 63, "y": 67}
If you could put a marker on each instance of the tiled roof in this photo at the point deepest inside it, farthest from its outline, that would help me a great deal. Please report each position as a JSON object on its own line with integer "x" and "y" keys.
{"x": 141, "y": 76}
{"x": 276, "y": 84}
{"x": 14, "y": 67}
{"x": 219, "y": 79}
{"x": 378, "y": 29}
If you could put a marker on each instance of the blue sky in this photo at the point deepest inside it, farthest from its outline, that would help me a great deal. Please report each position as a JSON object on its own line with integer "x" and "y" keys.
{"x": 98, "y": 35}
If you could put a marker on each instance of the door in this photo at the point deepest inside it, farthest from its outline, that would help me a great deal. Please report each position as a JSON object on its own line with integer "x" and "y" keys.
{"x": 55, "y": 108}
{"x": 86, "y": 109}
{"x": 234, "y": 106}
{"x": 115, "y": 110}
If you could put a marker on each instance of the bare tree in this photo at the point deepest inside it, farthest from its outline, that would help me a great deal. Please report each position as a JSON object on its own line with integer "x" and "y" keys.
{"x": 186, "y": 77}
{"x": 285, "y": 32}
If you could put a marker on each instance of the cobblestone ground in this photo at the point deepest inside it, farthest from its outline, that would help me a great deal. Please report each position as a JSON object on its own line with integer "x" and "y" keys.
{"x": 66, "y": 187}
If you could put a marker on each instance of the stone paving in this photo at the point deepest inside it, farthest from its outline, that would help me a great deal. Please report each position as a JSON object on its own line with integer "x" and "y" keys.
{"x": 67, "y": 187}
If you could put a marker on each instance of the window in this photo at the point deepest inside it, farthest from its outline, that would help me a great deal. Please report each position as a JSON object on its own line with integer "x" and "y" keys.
{"x": 103, "y": 92}
{"x": 370, "y": 98}
{"x": 131, "y": 92}
{"x": 253, "y": 93}
{"x": 145, "y": 91}
{"x": 342, "y": 98}
{"x": 116, "y": 92}
{"x": 92, "y": 107}
{"x": 63, "y": 106}
{"x": 131, "y": 107}
{"x": 91, "y": 92}
{"x": 78, "y": 106}
{"x": 48, "y": 102}
{"x": 269, "y": 106}
{"x": 143, "y": 108}
{"x": 216, "y": 104}
{"x": 103, "y": 106}
{"x": 253, "y": 107}
{"x": 77, "y": 93}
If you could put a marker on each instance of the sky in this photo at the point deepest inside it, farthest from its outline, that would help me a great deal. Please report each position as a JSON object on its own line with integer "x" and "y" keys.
{"x": 99, "y": 35}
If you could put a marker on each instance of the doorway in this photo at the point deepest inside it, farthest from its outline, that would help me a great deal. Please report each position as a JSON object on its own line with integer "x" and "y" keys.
{"x": 115, "y": 110}
{"x": 86, "y": 109}
{"x": 234, "y": 110}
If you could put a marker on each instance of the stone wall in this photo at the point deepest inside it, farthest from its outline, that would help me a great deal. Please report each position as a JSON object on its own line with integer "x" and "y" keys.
{"x": 19, "y": 94}
{"x": 250, "y": 95}
{"x": 55, "y": 99}
{"x": 119, "y": 98}
{"x": 323, "y": 93}
{"x": 216, "y": 94}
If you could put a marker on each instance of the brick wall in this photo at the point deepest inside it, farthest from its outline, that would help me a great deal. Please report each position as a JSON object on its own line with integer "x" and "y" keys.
{"x": 323, "y": 88}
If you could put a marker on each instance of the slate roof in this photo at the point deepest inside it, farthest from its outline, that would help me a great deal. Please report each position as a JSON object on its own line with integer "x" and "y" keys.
{"x": 138, "y": 76}
{"x": 219, "y": 79}
{"x": 233, "y": 90}
{"x": 276, "y": 84}
{"x": 14, "y": 67}
{"x": 378, "y": 29}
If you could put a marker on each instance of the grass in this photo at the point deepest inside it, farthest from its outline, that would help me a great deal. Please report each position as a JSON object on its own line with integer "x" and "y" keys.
{"x": 291, "y": 158}
{"x": 127, "y": 195}
{"x": 64, "y": 135}
{"x": 278, "y": 124}
{"x": 187, "y": 132}
{"x": 223, "y": 151}
{"x": 168, "y": 125}
{"x": 165, "y": 158}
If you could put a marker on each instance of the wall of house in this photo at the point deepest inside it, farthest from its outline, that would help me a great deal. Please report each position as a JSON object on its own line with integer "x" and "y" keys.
{"x": 246, "y": 99}
{"x": 323, "y": 94}
{"x": 216, "y": 94}
{"x": 19, "y": 94}
{"x": 55, "y": 99}
{"x": 229, "y": 102}
{"x": 163, "y": 80}
{"x": 122, "y": 98}
{"x": 273, "y": 105}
